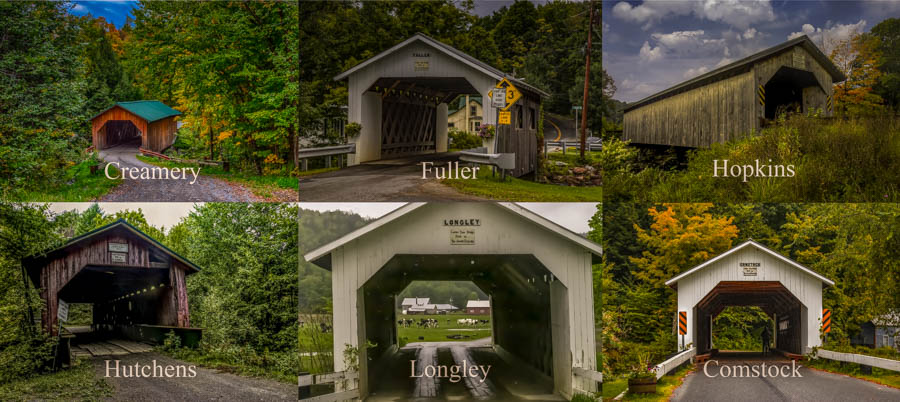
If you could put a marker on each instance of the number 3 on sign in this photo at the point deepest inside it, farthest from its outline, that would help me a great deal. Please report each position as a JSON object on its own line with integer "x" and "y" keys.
{"x": 504, "y": 117}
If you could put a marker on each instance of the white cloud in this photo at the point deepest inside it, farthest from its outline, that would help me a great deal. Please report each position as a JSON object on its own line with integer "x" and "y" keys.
{"x": 79, "y": 9}
{"x": 649, "y": 53}
{"x": 826, "y": 38}
{"x": 693, "y": 72}
{"x": 749, "y": 33}
{"x": 737, "y": 13}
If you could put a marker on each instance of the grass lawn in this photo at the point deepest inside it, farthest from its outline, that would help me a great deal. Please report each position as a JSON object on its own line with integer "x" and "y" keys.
{"x": 444, "y": 329}
{"x": 572, "y": 155}
{"x": 514, "y": 189}
{"x": 880, "y": 376}
{"x": 278, "y": 366}
{"x": 664, "y": 388}
{"x": 262, "y": 186}
{"x": 80, "y": 185}
{"x": 76, "y": 383}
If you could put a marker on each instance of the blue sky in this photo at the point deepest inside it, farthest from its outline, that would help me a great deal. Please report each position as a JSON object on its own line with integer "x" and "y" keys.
{"x": 649, "y": 46}
{"x": 115, "y": 11}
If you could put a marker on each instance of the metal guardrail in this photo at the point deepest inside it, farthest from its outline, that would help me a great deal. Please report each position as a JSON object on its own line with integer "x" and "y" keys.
{"x": 306, "y": 381}
{"x": 503, "y": 161}
{"x": 673, "y": 362}
{"x": 880, "y": 362}
{"x": 306, "y": 153}
{"x": 591, "y": 145}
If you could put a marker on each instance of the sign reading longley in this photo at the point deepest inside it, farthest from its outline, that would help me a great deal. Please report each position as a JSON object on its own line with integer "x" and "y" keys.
{"x": 462, "y": 230}
{"x": 462, "y": 222}
{"x": 118, "y": 247}
{"x": 750, "y": 268}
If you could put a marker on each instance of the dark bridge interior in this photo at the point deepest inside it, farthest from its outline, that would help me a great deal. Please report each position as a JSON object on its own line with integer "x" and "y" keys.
{"x": 784, "y": 91}
{"x": 119, "y": 132}
{"x": 770, "y": 296}
{"x": 519, "y": 286}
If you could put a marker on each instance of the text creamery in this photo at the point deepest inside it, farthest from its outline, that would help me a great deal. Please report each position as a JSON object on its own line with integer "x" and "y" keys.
{"x": 114, "y": 171}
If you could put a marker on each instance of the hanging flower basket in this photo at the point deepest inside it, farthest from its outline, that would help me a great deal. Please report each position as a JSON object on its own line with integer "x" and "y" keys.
{"x": 486, "y": 131}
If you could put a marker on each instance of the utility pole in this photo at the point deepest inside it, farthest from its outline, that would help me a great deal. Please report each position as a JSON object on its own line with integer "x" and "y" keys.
{"x": 587, "y": 77}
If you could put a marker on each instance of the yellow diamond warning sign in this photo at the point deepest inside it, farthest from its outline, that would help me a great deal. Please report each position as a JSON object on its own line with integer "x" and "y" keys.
{"x": 512, "y": 93}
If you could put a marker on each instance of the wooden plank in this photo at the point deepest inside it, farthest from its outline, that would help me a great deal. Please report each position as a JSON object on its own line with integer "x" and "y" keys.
{"x": 132, "y": 347}
{"x": 337, "y": 396}
{"x": 589, "y": 374}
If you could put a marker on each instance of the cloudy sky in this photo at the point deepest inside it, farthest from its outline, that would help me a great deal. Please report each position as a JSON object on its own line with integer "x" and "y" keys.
{"x": 570, "y": 215}
{"x": 649, "y": 46}
{"x": 158, "y": 214}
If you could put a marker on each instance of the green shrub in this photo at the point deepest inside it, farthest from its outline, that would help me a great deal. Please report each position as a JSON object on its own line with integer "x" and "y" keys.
{"x": 460, "y": 140}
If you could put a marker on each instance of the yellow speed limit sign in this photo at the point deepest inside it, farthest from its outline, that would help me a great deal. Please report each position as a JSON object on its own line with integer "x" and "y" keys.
{"x": 504, "y": 117}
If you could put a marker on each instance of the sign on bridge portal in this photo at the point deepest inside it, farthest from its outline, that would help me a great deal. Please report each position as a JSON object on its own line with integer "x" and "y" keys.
{"x": 505, "y": 117}
{"x": 512, "y": 94}
{"x": 62, "y": 312}
{"x": 682, "y": 322}
{"x": 826, "y": 320}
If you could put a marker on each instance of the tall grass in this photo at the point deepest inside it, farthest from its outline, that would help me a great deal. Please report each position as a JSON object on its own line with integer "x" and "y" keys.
{"x": 849, "y": 160}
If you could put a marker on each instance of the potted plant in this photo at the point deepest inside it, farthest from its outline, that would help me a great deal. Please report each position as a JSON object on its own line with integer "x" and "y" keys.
{"x": 486, "y": 131}
{"x": 642, "y": 379}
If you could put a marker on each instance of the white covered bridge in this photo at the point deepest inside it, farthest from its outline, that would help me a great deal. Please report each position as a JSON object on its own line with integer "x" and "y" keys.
{"x": 751, "y": 274}
{"x": 537, "y": 274}
{"x": 400, "y": 97}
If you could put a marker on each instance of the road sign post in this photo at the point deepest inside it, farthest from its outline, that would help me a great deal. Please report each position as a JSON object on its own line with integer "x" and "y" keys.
{"x": 826, "y": 324}
{"x": 682, "y": 326}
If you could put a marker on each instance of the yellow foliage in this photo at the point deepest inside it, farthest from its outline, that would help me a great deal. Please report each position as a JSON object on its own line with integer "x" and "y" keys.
{"x": 225, "y": 134}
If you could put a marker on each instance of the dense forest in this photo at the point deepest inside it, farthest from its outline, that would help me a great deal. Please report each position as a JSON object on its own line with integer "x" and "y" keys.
{"x": 855, "y": 245}
{"x": 231, "y": 68}
{"x": 244, "y": 298}
{"x": 852, "y": 156}
{"x": 542, "y": 43}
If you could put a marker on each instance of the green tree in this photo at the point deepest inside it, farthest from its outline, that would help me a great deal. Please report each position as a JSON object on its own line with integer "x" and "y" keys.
{"x": 888, "y": 34}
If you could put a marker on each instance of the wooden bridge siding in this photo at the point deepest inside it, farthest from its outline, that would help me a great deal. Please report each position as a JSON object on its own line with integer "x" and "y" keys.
{"x": 160, "y": 135}
{"x": 803, "y": 286}
{"x": 717, "y": 112}
{"x": 521, "y": 141}
{"x": 117, "y": 113}
{"x": 56, "y": 274}
{"x": 765, "y": 69}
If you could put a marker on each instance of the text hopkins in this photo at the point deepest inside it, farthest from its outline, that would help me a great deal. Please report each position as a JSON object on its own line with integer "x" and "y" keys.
{"x": 754, "y": 170}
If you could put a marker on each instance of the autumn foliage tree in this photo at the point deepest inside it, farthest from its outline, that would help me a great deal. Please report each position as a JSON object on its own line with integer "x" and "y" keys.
{"x": 858, "y": 58}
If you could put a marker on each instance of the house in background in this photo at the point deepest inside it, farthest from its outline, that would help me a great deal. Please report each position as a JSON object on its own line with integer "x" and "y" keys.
{"x": 413, "y": 303}
{"x": 445, "y": 308}
{"x": 479, "y": 307}
{"x": 880, "y": 332}
{"x": 465, "y": 113}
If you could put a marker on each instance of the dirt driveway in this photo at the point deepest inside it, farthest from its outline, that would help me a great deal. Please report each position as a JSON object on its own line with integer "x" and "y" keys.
{"x": 208, "y": 385}
{"x": 205, "y": 189}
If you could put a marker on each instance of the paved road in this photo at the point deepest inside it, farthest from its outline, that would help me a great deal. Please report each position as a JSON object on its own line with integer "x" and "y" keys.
{"x": 558, "y": 128}
{"x": 815, "y": 385}
{"x": 208, "y": 385}
{"x": 503, "y": 381}
{"x": 388, "y": 180}
{"x": 204, "y": 189}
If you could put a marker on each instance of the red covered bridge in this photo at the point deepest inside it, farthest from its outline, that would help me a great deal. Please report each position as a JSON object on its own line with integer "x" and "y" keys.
{"x": 136, "y": 285}
{"x": 151, "y": 121}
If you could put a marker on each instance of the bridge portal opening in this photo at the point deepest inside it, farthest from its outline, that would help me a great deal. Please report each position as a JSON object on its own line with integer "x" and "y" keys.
{"x": 740, "y": 328}
{"x": 772, "y": 303}
{"x": 119, "y": 132}
{"x": 412, "y": 123}
{"x": 524, "y": 320}
{"x": 442, "y": 311}
{"x": 785, "y": 90}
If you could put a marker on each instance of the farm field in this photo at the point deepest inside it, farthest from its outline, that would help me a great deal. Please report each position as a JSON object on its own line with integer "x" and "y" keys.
{"x": 447, "y": 326}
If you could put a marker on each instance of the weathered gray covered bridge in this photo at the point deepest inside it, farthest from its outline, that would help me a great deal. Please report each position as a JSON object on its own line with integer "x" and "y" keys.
{"x": 737, "y": 99}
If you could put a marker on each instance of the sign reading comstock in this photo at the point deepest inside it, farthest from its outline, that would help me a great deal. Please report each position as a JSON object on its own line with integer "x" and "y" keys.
{"x": 750, "y": 268}
{"x": 118, "y": 247}
{"x": 462, "y": 231}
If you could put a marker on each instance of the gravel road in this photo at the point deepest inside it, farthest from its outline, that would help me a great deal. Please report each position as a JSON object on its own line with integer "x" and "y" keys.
{"x": 208, "y": 385}
{"x": 205, "y": 189}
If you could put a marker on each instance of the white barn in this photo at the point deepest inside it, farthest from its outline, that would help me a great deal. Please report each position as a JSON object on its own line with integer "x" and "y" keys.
{"x": 537, "y": 274}
{"x": 751, "y": 274}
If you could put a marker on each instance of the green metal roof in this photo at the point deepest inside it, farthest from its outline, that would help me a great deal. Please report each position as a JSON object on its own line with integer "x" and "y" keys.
{"x": 150, "y": 110}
